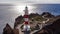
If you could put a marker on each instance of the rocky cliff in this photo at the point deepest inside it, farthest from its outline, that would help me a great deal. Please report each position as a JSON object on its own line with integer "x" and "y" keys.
{"x": 34, "y": 20}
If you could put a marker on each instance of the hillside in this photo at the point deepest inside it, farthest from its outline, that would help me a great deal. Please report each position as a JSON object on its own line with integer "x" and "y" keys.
{"x": 44, "y": 23}
{"x": 34, "y": 19}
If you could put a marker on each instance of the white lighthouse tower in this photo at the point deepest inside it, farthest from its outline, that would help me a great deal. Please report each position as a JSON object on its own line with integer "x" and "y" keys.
{"x": 26, "y": 10}
{"x": 26, "y": 20}
{"x": 26, "y": 16}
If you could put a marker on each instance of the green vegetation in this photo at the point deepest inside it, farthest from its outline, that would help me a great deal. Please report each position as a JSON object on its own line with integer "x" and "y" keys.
{"x": 32, "y": 17}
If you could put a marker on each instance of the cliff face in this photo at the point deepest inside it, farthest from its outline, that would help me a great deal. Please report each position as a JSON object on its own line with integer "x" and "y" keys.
{"x": 7, "y": 29}
{"x": 18, "y": 20}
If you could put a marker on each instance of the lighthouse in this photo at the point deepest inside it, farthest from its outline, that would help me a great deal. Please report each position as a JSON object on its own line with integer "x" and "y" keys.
{"x": 26, "y": 27}
{"x": 26, "y": 16}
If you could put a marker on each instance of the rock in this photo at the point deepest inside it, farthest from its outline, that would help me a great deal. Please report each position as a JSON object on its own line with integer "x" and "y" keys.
{"x": 7, "y": 29}
{"x": 53, "y": 28}
{"x": 47, "y": 14}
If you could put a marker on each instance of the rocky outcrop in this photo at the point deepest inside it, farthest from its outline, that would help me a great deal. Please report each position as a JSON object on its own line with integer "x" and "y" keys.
{"x": 7, "y": 29}
{"x": 47, "y": 14}
{"x": 53, "y": 28}
{"x": 18, "y": 20}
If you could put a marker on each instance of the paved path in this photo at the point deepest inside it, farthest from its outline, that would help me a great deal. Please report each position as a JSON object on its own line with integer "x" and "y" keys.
{"x": 20, "y": 32}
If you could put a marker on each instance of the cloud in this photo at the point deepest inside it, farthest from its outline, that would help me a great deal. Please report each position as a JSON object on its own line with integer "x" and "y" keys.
{"x": 30, "y": 1}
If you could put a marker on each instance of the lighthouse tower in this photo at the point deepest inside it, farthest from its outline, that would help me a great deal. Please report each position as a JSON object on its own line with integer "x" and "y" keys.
{"x": 26, "y": 17}
{"x": 26, "y": 26}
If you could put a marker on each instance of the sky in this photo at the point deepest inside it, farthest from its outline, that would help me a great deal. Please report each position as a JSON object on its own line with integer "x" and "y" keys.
{"x": 30, "y": 1}
{"x": 11, "y": 9}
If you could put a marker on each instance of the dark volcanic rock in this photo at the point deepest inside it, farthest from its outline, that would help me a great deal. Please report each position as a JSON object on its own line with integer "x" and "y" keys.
{"x": 47, "y": 14}
{"x": 7, "y": 29}
{"x": 18, "y": 20}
